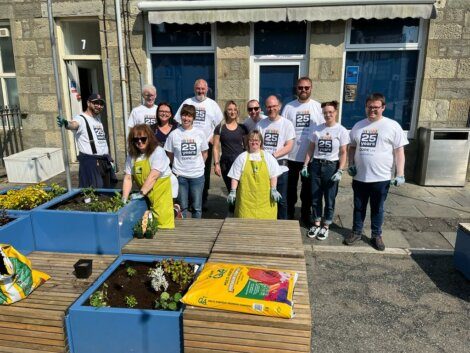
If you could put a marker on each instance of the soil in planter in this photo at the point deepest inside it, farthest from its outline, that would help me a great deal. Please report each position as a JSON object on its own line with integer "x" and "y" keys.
{"x": 76, "y": 203}
{"x": 120, "y": 285}
{"x": 4, "y": 219}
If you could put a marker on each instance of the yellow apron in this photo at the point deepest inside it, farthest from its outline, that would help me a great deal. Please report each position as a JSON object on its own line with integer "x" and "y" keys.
{"x": 254, "y": 192}
{"x": 161, "y": 201}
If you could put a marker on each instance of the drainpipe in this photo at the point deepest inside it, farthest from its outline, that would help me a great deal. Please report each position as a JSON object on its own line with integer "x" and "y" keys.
{"x": 122, "y": 70}
{"x": 58, "y": 90}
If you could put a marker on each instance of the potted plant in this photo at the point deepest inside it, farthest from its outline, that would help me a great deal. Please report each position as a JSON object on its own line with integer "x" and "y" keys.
{"x": 103, "y": 225}
{"x": 136, "y": 301}
{"x": 17, "y": 231}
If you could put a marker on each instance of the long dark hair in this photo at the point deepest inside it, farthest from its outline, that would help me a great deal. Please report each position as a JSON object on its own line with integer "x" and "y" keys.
{"x": 172, "y": 120}
{"x": 142, "y": 130}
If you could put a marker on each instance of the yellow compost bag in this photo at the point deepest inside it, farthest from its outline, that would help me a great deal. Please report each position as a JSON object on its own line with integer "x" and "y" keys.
{"x": 245, "y": 289}
{"x": 17, "y": 278}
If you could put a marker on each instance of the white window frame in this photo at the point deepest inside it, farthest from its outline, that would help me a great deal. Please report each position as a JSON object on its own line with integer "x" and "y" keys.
{"x": 209, "y": 49}
{"x": 256, "y": 61}
{"x": 5, "y": 75}
{"x": 420, "y": 46}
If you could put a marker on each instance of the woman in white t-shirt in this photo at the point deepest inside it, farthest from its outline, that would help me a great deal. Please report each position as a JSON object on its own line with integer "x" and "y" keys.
{"x": 328, "y": 146}
{"x": 254, "y": 178}
{"x": 187, "y": 149}
{"x": 148, "y": 165}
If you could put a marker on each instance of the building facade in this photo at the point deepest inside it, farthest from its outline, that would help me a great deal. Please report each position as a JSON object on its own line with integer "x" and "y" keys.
{"x": 416, "y": 52}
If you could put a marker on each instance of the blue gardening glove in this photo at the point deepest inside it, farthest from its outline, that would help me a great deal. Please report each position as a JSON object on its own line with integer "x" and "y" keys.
{"x": 124, "y": 200}
{"x": 232, "y": 197}
{"x": 337, "y": 176}
{"x": 304, "y": 171}
{"x": 397, "y": 181}
{"x": 136, "y": 196}
{"x": 62, "y": 122}
{"x": 352, "y": 170}
{"x": 275, "y": 195}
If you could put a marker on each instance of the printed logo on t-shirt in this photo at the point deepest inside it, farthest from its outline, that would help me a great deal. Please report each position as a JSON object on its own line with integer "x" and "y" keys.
{"x": 325, "y": 144}
{"x": 138, "y": 170}
{"x": 271, "y": 138}
{"x": 150, "y": 119}
{"x": 99, "y": 132}
{"x": 188, "y": 148}
{"x": 369, "y": 138}
{"x": 200, "y": 115}
{"x": 302, "y": 119}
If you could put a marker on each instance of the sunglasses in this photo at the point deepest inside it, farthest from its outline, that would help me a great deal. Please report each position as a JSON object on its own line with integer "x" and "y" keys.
{"x": 253, "y": 109}
{"x": 142, "y": 139}
{"x": 303, "y": 88}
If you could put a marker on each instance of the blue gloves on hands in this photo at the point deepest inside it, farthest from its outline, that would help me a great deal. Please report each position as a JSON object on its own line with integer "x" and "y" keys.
{"x": 337, "y": 176}
{"x": 136, "y": 196}
{"x": 232, "y": 197}
{"x": 62, "y": 122}
{"x": 275, "y": 195}
{"x": 304, "y": 171}
{"x": 352, "y": 170}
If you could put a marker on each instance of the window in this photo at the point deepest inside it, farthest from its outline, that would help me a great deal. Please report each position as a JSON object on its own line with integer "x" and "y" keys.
{"x": 8, "y": 87}
{"x": 81, "y": 37}
{"x": 180, "y": 54}
{"x": 383, "y": 56}
{"x": 279, "y": 58}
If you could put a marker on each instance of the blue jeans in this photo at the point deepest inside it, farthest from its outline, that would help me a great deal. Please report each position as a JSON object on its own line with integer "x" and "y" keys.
{"x": 282, "y": 189}
{"x": 375, "y": 192}
{"x": 323, "y": 188}
{"x": 193, "y": 187}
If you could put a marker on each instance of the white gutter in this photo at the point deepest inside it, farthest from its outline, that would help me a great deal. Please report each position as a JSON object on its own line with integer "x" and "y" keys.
{"x": 252, "y": 4}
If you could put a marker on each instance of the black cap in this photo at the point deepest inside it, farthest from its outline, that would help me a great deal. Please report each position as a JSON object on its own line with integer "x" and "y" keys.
{"x": 96, "y": 97}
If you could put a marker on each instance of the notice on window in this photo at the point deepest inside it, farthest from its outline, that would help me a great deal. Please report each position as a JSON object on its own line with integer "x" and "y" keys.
{"x": 352, "y": 75}
{"x": 350, "y": 93}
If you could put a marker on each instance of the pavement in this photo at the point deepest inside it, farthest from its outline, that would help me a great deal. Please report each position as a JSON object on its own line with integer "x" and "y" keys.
{"x": 406, "y": 298}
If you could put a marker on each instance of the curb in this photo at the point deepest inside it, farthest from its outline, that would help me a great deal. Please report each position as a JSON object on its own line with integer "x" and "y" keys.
{"x": 370, "y": 250}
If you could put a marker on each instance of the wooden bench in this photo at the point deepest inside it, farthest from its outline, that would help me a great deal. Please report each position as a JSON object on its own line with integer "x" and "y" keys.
{"x": 36, "y": 324}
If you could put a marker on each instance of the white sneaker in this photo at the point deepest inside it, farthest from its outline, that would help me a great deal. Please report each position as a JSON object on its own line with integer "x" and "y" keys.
{"x": 322, "y": 233}
{"x": 313, "y": 231}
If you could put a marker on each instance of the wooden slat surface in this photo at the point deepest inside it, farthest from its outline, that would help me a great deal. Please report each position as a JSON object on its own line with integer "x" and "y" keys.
{"x": 36, "y": 324}
{"x": 216, "y": 331}
{"x": 260, "y": 237}
{"x": 191, "y": 237}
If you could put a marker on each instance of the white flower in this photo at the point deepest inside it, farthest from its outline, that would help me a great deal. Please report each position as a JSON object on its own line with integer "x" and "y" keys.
{"x": 158, "y": 279}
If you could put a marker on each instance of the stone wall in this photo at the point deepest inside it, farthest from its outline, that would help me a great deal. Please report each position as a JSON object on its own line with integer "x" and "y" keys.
{"x": 445, "y": 99}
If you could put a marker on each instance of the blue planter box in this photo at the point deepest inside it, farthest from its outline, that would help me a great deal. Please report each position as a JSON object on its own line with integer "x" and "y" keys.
{"x": 122, "y": 330}
{"x": 85, "y": 232}
{"x": 462, "y": 250}
{"x": 19, "y": 234}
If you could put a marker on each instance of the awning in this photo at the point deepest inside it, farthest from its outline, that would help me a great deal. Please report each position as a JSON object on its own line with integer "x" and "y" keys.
{"x": 210, "y": 11}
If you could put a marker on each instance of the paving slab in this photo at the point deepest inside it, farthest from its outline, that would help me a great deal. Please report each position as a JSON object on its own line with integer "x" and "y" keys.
{"x": 427, "y": 240}
{"x": 429, "y": 210}
{"x": 395, "y": 239}
{"x": 450, "y": 237}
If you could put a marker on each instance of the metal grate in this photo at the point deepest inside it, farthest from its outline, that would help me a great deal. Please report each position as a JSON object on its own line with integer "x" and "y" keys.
{"x": 11, "y": 138}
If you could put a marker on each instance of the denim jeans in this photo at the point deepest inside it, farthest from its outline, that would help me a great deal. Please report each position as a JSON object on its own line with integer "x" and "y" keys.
{"x": 375, "y": 192}
{"x": 191, "y": 187}
{"x": 305, "y": 192}
{"x": 323, "y": 188}
{"x": 282, "y": 189}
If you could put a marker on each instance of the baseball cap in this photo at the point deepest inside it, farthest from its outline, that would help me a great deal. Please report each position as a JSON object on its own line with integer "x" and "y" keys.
{"x": 96, "y": 97}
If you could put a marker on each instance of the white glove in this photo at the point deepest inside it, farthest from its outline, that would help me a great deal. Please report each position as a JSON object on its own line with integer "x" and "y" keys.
{"x": 304, "y": 171}
{"x": 232, "y": 197}
{"x": 275, "y": 195}
{"x": 136, "y": 196}
{"x": 337, "y": 176}
{"x": 397, "y": 181}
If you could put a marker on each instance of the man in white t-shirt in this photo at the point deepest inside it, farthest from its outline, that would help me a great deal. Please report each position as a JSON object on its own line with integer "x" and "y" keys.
{"x": 377, "y": 146}
{"x": 278, "y": 139}
{"x": 145, "y": 113}
{"x": 95, "y": 167}
{"x": 254, "y": 115}
{"x": 208, "y": 116}
{"x": 305, "y": 114}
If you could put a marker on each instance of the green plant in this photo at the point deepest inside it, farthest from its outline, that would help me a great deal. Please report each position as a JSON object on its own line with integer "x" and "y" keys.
{"x": 89, "y": 194}
{"x": 138, "y": 231}
{"x": 131, "y": 301}
{"x": 4, "y": 219}
{"x": 168, "y": 302}
{"x": 29, "y": 197}
{"x": 131, "y": 271}
{"x": 112, "y": 204}
{"x": 180, "y": 271}
{"x": 152, "y": 228}
{"x": 100, "y": 297}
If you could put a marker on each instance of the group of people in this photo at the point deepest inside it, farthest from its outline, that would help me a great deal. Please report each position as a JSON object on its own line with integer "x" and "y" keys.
{"x": 260, "y": 160}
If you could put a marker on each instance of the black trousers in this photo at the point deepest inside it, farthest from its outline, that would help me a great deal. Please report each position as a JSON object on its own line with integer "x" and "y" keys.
{"x": 207, "y": 174}
{"x": 305, "y": 192}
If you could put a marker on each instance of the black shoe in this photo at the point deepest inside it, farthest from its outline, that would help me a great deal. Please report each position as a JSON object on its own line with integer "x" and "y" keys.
{"x": 378, "y": 243}
{"x": 352, "y": 238}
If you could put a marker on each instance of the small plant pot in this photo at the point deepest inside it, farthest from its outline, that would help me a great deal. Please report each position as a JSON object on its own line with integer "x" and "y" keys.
{"x": 87, "y": 200}
{"x": 138, "y": 235}
{"x": 149, "y": 235}
{"x": 83, "y": 268}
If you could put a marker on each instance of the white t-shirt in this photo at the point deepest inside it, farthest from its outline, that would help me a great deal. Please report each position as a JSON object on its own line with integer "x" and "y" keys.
{"x": 208, "y": 115}
{"x": 142, "y": 115}
{"x": 239, "y": 164}
{"x": 250, "y": 123}
{"x": 187, "y": 145}
{"x": 97, "y": 130}
{"x": 328, "y": 140}
{"x": 158, "y": 160}
{"x": 375, "y": 142}
{"x": 305, "y": 117}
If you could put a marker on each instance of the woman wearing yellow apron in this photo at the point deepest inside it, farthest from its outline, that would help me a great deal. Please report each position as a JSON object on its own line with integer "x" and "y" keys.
{"x": 254, "y": 178}
{"x": 148, "y": 165}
